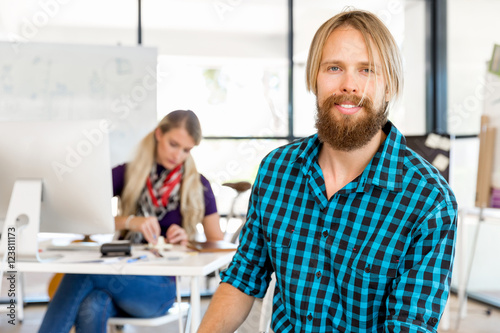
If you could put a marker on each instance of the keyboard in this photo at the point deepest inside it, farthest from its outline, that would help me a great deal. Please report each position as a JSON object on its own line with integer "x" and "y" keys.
{"x": 79, "y": 246}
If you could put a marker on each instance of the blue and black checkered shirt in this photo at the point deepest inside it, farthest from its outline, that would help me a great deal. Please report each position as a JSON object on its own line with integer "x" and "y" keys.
{"x": 376, "y": 257}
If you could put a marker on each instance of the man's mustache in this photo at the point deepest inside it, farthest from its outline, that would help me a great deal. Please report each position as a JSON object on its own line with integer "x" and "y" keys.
{"x": 341, "y": 99}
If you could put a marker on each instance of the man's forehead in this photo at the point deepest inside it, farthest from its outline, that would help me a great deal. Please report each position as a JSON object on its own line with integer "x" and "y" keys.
{"x": 355, "y": 48}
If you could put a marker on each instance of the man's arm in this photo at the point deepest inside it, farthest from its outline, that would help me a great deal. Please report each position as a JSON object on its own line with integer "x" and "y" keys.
{"x": 227, "y": 310}
{"x": 421, "y": 292}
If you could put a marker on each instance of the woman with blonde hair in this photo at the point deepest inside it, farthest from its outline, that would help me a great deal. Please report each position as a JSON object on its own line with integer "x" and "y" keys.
{"x": 161, "y": 194}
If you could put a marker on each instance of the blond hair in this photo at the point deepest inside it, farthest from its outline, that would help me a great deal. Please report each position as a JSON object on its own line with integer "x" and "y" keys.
{"x": 192, "y": 199}
{"x": 374, "y": 32}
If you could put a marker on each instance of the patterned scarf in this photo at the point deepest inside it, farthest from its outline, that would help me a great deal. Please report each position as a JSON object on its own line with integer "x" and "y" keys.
{"x": 161, "y": 193}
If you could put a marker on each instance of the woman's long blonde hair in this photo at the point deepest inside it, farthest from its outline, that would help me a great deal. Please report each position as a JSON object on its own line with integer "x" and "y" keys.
{"x": 192, "y": 199}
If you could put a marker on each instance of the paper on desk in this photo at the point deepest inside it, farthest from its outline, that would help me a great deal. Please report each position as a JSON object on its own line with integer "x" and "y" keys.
{"x": 113, "y": 260}
{"x": 172, "y": 255}
{"x": 172, "y": 252}
{"x": 87, "y": 257}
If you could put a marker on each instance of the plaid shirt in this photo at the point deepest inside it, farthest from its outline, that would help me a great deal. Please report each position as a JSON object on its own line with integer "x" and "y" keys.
{"x": 376, "y": 257}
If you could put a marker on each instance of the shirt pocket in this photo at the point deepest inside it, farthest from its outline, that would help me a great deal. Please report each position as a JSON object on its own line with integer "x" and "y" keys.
{"x": 373, "y": 268}
{"x": 280, "y": 236}
{"x": 364, "y": 261}
{"x": 280, "y": 240}
{"x": 369, "y": 278}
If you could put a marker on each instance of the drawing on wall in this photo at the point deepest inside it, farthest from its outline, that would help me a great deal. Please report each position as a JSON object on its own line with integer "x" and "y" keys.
{"x": 70, "y": 82}
{"x": 495, "y": 60}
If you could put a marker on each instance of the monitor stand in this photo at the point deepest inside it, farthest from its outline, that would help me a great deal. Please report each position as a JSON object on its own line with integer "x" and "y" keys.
{"x": 22, "y": 224}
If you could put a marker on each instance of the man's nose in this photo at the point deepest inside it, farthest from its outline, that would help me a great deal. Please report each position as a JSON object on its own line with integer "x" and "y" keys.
{"x": 348, "y": 84}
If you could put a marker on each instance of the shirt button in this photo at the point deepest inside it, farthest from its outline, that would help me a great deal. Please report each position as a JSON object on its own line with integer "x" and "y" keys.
{"x": 318, "y": 274}
{"x": 325, "y": 233}
{"x": 309, "y": 317}
{"x": 367, "y": 269}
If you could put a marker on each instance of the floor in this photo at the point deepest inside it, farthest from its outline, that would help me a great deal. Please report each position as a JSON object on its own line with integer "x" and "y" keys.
{"x": 480, "y": 319}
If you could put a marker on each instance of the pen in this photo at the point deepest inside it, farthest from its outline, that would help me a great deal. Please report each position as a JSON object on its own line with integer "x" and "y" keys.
{"x": 137, "y": 258}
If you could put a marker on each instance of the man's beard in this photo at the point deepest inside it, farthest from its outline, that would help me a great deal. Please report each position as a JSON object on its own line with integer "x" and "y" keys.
{"x": 348, "y": 132}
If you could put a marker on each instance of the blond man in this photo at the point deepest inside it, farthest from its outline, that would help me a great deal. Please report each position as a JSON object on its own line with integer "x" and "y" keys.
{"x": 358, "y": 228}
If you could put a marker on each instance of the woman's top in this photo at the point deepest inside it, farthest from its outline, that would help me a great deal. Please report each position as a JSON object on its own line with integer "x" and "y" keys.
{"x": 172, "y": 216}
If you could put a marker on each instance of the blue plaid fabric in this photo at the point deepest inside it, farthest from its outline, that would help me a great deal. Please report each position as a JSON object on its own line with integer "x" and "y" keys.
{"x": 376, "y": 257}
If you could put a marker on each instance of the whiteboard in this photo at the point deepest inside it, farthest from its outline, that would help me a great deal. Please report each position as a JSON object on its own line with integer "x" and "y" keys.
{"x": 45, "y": 81}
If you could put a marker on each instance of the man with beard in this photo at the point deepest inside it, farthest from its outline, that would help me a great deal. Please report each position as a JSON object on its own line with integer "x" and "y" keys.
{"x": 358, "y": 228}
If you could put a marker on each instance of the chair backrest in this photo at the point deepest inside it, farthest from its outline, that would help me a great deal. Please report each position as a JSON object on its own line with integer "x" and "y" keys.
{"x": 259, "y": 318}
{"x": 176, "y": 312}
{"x": 171, "y": 316}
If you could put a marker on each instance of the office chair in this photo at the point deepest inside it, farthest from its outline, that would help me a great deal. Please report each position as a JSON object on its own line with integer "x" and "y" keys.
{"x": 259, "y": 318}
{"x": 240, "y": 188}
{"x": 176, "y": 312}
{"x": 117, "y": 323}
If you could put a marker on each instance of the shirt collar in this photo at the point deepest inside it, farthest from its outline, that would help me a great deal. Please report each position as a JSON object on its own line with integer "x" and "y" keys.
{"x": 309, "y": 150}
{"x": 386, "y": 167}
{"x": 384, "y": 170}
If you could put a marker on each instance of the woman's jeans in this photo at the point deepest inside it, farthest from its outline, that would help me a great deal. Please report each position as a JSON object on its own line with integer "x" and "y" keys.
{"x": 87, "y": 301}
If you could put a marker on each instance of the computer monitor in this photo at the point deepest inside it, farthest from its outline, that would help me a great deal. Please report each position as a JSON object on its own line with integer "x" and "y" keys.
{"x": 55, "y": 176}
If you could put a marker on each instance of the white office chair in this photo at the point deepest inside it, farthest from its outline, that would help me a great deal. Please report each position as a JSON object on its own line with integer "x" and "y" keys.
{"x": 240, "y": 188}
{"x": 259, "y": 318}
{"x": 171, "y": 316}
{"x": 176, "y": 312}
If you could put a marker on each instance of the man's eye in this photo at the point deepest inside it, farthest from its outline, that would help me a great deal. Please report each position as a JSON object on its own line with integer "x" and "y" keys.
{"x": 333, "y": 68}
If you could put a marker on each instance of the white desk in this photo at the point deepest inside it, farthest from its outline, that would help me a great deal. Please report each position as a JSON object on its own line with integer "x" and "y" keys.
{"x": 192, "y": 265}
{"x": 464, "y": 257}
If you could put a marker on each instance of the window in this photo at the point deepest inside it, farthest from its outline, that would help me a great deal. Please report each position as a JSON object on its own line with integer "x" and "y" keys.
{"x": 405, "y": 20}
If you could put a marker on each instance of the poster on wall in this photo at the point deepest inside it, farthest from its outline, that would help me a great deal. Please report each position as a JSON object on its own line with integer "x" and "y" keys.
{"x": 491, "y": 121}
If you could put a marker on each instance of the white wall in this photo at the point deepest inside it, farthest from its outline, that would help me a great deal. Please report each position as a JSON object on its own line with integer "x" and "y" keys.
{"x": 473, "y": 29}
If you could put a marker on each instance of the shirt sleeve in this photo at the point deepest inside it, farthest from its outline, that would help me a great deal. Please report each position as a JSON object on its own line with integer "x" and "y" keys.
{"x": 420, "y": 293}
{"x": 118, "y": 177}
{"x": 250, "y": 270}
{"x": 208, "y": 194}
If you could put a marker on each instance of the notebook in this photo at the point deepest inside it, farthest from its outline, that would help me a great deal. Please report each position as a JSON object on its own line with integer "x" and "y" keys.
{"x": 213, "y": 246}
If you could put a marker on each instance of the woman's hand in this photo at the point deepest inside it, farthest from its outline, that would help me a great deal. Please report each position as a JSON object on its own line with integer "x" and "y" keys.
{"x": 148, "y": 226}
{"x": 176, "y": 235}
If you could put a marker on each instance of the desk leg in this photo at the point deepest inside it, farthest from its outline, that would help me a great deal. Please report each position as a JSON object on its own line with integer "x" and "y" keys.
{"x": 195, "y": 304}
{"x": 462, "y": 263}
{"x": 463, "y": 299}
